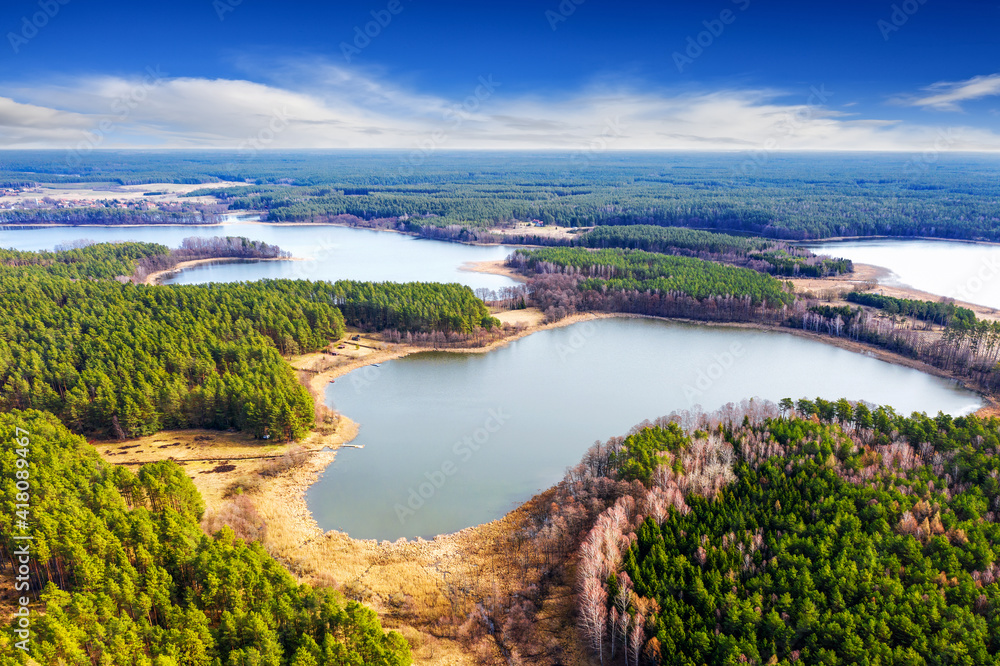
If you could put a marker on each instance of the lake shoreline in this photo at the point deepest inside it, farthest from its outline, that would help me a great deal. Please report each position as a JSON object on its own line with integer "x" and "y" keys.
{"x": 381, "y": 570}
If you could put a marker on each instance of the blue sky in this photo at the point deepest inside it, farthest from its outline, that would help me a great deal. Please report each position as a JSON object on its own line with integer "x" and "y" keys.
{"x": 725, "y": 74}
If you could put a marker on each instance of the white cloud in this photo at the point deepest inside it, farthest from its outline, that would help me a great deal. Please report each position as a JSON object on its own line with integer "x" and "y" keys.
{"x": 339, "y": 108}
{"x": 947, "y": 95}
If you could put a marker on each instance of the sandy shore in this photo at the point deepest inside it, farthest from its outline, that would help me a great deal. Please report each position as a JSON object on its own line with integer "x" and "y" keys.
{"x": 497, "y": 267}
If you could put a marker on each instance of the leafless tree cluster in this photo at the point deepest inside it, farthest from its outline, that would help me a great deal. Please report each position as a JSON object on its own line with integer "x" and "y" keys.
{"x": 504, "y": 298}
{"x": 241, "y": 516}
{"x": 480, "y": 337}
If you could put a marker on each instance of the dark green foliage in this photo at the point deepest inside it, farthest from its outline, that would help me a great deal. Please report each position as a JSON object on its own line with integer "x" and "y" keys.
{"x": 409, "y": 306}
{"x": 122, "y": 573}
{"x": 642, "y": 452}
{"x": 939, "y": 313}
{"x": 794, "y": 563}
{"x": 636, "y": 270}
{"x": 97, "y": 353}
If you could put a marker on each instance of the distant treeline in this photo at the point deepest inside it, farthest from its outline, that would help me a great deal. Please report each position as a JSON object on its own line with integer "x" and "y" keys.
{"x": 793, "y": 197}
{"x": 86, "y": 259}
{"x": 83, "y": 259}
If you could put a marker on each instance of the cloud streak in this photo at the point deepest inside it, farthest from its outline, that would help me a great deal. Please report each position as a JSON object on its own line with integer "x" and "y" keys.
{"x": 346, "y": 108}
{"x": 948, "y": 95}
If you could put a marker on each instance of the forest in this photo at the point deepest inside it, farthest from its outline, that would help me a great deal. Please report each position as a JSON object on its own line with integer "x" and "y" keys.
{"x": 113, "y": 358}
{"x": 817, "y": 556}
{"x": 123, "y": 573}
{"x": 786, "y": 196}
{"x": 967, "y": 346}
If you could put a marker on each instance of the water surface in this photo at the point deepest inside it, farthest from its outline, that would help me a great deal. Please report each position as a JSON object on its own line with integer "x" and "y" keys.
{"x": 480, "y": 433}
{"x": 964, "y": 271}
{"x": 330, "y": 252}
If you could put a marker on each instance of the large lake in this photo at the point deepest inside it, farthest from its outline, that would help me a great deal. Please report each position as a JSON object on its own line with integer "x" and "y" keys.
{"x": 329, "y": 252}
{"x": 964, "y": 271}
{"x": 533, "y": 407}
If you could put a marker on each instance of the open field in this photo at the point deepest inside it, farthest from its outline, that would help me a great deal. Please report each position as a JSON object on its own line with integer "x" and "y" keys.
{"x": 95, "y": 191}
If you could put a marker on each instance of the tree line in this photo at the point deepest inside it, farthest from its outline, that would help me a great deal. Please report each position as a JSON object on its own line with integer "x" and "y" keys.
{"x": 567, "y": 280}
{"x": 617, "y": 269}
{"x": 943, "y": 313}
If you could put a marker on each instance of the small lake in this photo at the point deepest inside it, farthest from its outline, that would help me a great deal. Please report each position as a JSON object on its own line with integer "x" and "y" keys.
{"x": 477, "y": 434}
{"x": 329, "y": 252}
{"x": 964, "y": 271}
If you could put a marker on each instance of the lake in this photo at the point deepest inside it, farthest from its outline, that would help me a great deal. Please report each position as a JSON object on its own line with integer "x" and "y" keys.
{"x": 480, "y": 433}
{"x": 964, "y": 271}
{"x": 329, "y": 252}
